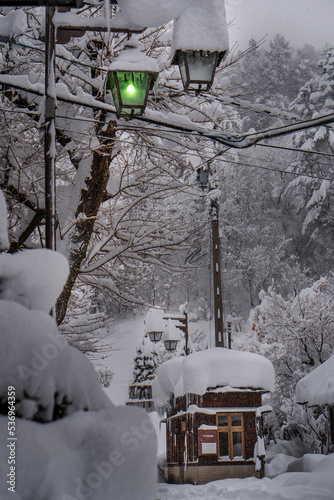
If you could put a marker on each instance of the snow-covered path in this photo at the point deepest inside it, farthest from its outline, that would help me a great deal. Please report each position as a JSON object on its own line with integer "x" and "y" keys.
{"x": 315, "y": 485}
{"x": 125, "y": 334}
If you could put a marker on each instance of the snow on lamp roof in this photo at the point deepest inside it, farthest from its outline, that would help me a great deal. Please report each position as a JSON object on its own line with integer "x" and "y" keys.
{"x": 210, "y": 369}
{"x": 317, "y": 387}
{"x": 152, "y": 13}
{"x": 154, "y": 321}
{"x": 202, "y": 26}
{"x": 172, "y": 332}
{"x": 132, "y": 59}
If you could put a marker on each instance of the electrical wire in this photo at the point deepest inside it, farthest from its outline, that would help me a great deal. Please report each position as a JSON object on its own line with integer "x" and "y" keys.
{"x": 216, "y": 157}
{"x": 297, "y": 174}
{"x": 129, "y": 127}
{"x": 301, "y": 150}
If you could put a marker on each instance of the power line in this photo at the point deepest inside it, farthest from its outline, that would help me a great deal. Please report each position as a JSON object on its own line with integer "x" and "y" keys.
{"x": 297, "y": 174}
{"x": 299, "y": 150}
{"x": 141, "y": 128}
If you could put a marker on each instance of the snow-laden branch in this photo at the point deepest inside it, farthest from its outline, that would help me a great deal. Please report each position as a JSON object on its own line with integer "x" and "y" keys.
{"x": 170, "y": 120}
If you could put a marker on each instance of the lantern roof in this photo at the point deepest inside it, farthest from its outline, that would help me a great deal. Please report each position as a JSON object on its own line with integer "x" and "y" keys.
{"x": 172, "y": 332}
{"x": 154, "y": 321}
{"x": 201, "y": 26}
{"x": 132, "y": 59}
{"x": 152, "y": 13}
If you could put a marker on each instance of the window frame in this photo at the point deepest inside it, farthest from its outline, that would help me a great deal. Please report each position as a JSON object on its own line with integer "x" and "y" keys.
{"x": 229, "y": 429}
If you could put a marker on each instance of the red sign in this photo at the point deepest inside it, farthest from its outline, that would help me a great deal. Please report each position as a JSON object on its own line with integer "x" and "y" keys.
{"x": 207, "y": 439}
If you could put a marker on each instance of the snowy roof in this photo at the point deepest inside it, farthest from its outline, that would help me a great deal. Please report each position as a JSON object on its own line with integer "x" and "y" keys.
{"x": 317, "y": 387}
{"x": 217, "y": 367}
{"x": 202, "y": 26}
{"x": 132, "y": 59}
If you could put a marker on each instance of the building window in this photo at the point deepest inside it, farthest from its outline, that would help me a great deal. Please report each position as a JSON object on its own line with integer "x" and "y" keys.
{"x": 231, "y": 436}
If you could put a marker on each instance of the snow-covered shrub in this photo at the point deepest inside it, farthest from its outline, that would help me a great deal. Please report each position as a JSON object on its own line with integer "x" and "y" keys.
{"x": 66, "y": 438}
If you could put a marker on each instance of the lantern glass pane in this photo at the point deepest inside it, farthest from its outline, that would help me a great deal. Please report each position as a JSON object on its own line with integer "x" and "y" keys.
{"x": 183, "y": 69}
{"x": 155, "y": 336}
{"x": 113, "y": 90}
{"x": 201, "y": 66}
{"x": 133, "y": 88}
{"x": 170, "y": 345}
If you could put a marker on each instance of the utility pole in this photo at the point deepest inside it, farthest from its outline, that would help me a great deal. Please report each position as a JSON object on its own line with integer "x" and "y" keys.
{"x": 217, "y": 281}
{"x": 50, "y": 131}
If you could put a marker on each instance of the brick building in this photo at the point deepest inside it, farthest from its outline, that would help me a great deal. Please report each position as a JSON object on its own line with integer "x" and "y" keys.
{"x": 214, "y": 414}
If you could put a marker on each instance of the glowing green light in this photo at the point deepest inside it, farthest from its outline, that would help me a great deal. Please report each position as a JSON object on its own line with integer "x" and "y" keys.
{"x": 131, "y": 89}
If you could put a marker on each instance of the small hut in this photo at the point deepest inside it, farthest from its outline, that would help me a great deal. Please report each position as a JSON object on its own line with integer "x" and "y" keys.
{"x": 316, "y": 391}
{"x": 213, "y": 400}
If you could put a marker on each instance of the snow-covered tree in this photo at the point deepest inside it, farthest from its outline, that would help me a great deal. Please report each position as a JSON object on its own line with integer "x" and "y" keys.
{"x": 311, "y": 197}
{"x": 296, "y": 334}
{"x": 145, "y": 362}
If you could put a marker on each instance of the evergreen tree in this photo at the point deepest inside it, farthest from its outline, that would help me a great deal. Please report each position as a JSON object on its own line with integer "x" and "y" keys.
{"x": 145, "y": 362}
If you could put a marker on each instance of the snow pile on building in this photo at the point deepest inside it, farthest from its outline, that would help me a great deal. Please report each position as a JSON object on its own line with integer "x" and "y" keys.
{"x": 67, "y": 440}
{"x": 317, "y": 387}
{"x": 212, "y": 369}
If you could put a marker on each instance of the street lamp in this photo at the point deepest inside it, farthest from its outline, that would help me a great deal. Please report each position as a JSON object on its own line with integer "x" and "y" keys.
{"x": 154, "y": 324}
{"x": 130, "y": 78}
{"x": 200, "y": 42}
{"x": 171, "y": 336}
{"x": 197, "y": 68}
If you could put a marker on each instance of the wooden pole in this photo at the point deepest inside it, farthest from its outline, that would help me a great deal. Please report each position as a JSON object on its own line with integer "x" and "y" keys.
{"x": 50, "y": 131}
{"x": 218, "y": 302}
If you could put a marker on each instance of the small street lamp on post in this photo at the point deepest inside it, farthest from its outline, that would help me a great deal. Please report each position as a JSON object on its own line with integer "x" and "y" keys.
{"x": 154, "y": 325}
{"x": 199, "y": 43}
{"x": 130, "y": 78}
{"x": 171, "y": 336}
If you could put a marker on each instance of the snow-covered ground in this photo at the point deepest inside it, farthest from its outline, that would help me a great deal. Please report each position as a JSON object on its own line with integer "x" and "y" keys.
{"x": 123, "y": 337}
{"x": 309, "y": 477}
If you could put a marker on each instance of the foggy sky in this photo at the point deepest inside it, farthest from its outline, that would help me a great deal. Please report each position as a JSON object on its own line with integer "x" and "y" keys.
{"x": 300, "y": 21}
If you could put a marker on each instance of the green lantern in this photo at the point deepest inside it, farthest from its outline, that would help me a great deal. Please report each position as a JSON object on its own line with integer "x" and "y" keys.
{"x": 129, "y": 79}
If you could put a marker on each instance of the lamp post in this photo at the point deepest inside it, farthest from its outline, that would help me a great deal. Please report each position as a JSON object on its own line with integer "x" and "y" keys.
{"x": 130, "y": 78}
